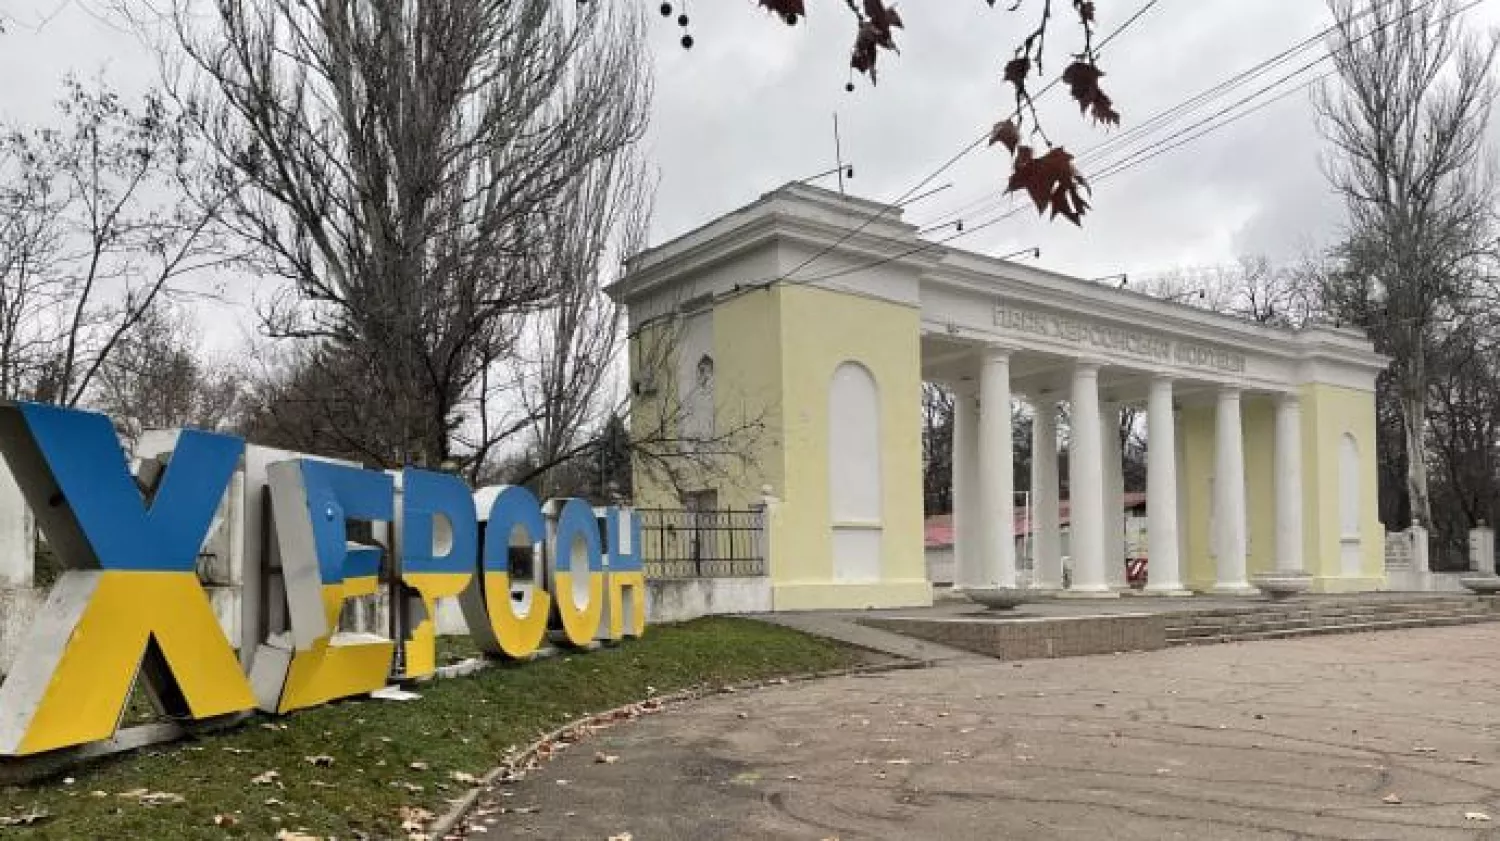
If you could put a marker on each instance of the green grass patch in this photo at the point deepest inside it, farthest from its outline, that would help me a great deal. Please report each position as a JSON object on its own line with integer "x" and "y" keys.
{"x": 464, "y": 725}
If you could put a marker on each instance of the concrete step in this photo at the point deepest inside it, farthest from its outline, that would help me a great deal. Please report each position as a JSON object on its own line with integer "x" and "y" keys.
{"x": 1186, "y": 635}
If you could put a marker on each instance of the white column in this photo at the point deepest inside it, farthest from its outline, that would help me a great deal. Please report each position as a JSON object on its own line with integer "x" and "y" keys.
{"x": 1046, "y": 534}
{"x": 1229, "y": 496}
{"x": 966, "y": 550}
{"x": 1163, "y": 565}
{"x": 1114, "y": 497}
{"x": 1086, "y": 486}
{"x": 996, "y": 471}
{"x": 1289, "y": 484}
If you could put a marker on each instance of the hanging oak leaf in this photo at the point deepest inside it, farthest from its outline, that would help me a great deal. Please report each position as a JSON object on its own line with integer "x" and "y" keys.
{"x": 1082, "y": 79}
{"x": 862, "y": 57}
{"x": 1006, "y": 134}
{"x": 1016, "y": 70}
{"x": 883, "y": 17}
{"x": 789, "y": 10}
{"x": 1051, "y": 181}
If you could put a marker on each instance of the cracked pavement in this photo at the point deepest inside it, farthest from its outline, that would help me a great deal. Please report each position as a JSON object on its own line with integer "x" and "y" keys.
{"x": 1388, "y": 735}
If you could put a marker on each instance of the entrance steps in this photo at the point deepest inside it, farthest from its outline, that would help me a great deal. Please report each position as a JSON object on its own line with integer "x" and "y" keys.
{"x": 1331, "y": 616}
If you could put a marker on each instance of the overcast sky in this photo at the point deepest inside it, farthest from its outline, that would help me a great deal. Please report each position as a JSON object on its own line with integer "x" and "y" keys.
{"x": 751, "y": 105}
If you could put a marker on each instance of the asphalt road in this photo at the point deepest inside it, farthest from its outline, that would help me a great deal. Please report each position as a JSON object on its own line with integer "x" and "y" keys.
{"x": 1390, "y": 735}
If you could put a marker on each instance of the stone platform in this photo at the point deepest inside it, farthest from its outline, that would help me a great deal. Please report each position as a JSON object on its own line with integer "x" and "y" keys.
{"x": 1068, "y": 628}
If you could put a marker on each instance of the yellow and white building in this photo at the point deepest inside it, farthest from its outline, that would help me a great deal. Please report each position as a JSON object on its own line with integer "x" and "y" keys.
{"x": 786, "y": 343}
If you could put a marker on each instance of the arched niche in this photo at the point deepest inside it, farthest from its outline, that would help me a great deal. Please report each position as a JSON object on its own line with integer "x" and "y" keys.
{"x": 855, "y": 481}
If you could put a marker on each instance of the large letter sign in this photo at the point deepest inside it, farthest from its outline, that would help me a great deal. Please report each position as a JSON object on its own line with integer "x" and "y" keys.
{"x": 130, "y": 603}
{"x": 129, "y": 590}
{"x": 428, "y": 499}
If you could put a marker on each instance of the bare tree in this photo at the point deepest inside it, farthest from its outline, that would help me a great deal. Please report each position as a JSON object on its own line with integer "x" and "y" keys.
{"x": 403, "y": 163}
{"x": 156, "y": 378}
{"x": 1407, "y": 123}
{"x": 565, "y": 383}
{"x": 97, "y": 220}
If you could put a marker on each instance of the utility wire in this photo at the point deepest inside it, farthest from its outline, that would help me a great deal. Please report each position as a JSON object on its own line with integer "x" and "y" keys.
{"x": 1124, "y": 165}
{"x": 962, "y": 153}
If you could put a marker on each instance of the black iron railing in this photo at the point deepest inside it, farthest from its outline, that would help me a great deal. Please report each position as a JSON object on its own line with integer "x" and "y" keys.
{"x": 702, "y": 544}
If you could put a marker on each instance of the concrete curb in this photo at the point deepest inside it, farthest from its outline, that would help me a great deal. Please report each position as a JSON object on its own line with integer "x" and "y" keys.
{"x": 515, "y": 768}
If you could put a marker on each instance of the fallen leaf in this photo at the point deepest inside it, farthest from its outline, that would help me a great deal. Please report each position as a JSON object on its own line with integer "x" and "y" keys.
{"x": 1476, "y": 816}
{"x": 153, "y": 798}
{"x": 289, "y": 835}
{"x": 1470, "y": 760}
{"x": 418, "y": 766}
{"x": 322, "y": 760}
{"x": 464, "y": 777}
{"x": 266, "y": 778}
{"x": 606, "y": 758}
{"x": 898, "y": 762}
{"x": 1392, "y": 799}
{"x": 624, "y": 836}
{"x": 35, "y": 816}
{"x": 225, "y": 820}
{"x": 1423, "y": 749}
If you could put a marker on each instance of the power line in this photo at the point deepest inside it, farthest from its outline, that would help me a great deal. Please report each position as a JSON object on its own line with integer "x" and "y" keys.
{"x": 972, "y": 145}
{"x": 1187, "y": 105}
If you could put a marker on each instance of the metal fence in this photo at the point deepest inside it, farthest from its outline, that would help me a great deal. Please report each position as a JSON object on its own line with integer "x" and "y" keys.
{"x": 702, "y": 544}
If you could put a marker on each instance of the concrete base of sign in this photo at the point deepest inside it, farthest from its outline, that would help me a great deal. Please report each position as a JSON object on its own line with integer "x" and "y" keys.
{"x": 1484, "y": 585}
{"x": 1282, "y": 585}
{"x": 997, "y": 598}
{"x": 19, "y": 607}
{"x": 679, "y": 600}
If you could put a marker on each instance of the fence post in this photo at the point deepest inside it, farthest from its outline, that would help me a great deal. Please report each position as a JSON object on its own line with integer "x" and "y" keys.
{"x": 1419, "y": 550}
{"x": 768, "y": 506}
{"x": 1482, "y": 549}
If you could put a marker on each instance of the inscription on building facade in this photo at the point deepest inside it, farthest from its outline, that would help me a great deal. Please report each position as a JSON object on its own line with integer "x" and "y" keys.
{"x": 1141, "y": 344}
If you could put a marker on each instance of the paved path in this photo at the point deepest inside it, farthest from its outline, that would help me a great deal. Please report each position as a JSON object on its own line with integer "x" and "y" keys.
{"x": 1301, "y": 739}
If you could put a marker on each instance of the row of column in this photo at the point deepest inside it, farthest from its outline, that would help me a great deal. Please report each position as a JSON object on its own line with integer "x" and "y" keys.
{"x": 983, "y": 488}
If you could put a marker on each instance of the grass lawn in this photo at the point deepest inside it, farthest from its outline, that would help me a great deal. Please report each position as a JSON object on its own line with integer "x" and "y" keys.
{"x": 460, "y": 726}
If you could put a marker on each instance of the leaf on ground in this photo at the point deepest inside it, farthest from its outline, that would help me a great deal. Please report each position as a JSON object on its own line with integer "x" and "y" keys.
{"x": 147, "y": 797}
{"x": 34, "y": 816}
{"x": 1476, "y": 816}
{"x": 266, "y": 778}
{"x": 1470, "y": 760}
{"x": 414, "y": 818}
{"x": 606, "y": 758}
{"x": 322, "y": 760}
{"x": 1392, "y": 799}
{"x": 464, "y": 777}
{"x": 624, "y": 836}
{"x": 902, "y": 761}
{"x": 290, "y": 835}
{"x": 1423, "y": 749}
{"x": 418, "y": 766}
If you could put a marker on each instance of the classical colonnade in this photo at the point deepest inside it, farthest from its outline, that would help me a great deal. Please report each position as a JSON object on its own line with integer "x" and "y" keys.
{"x": 984, "y": 482}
